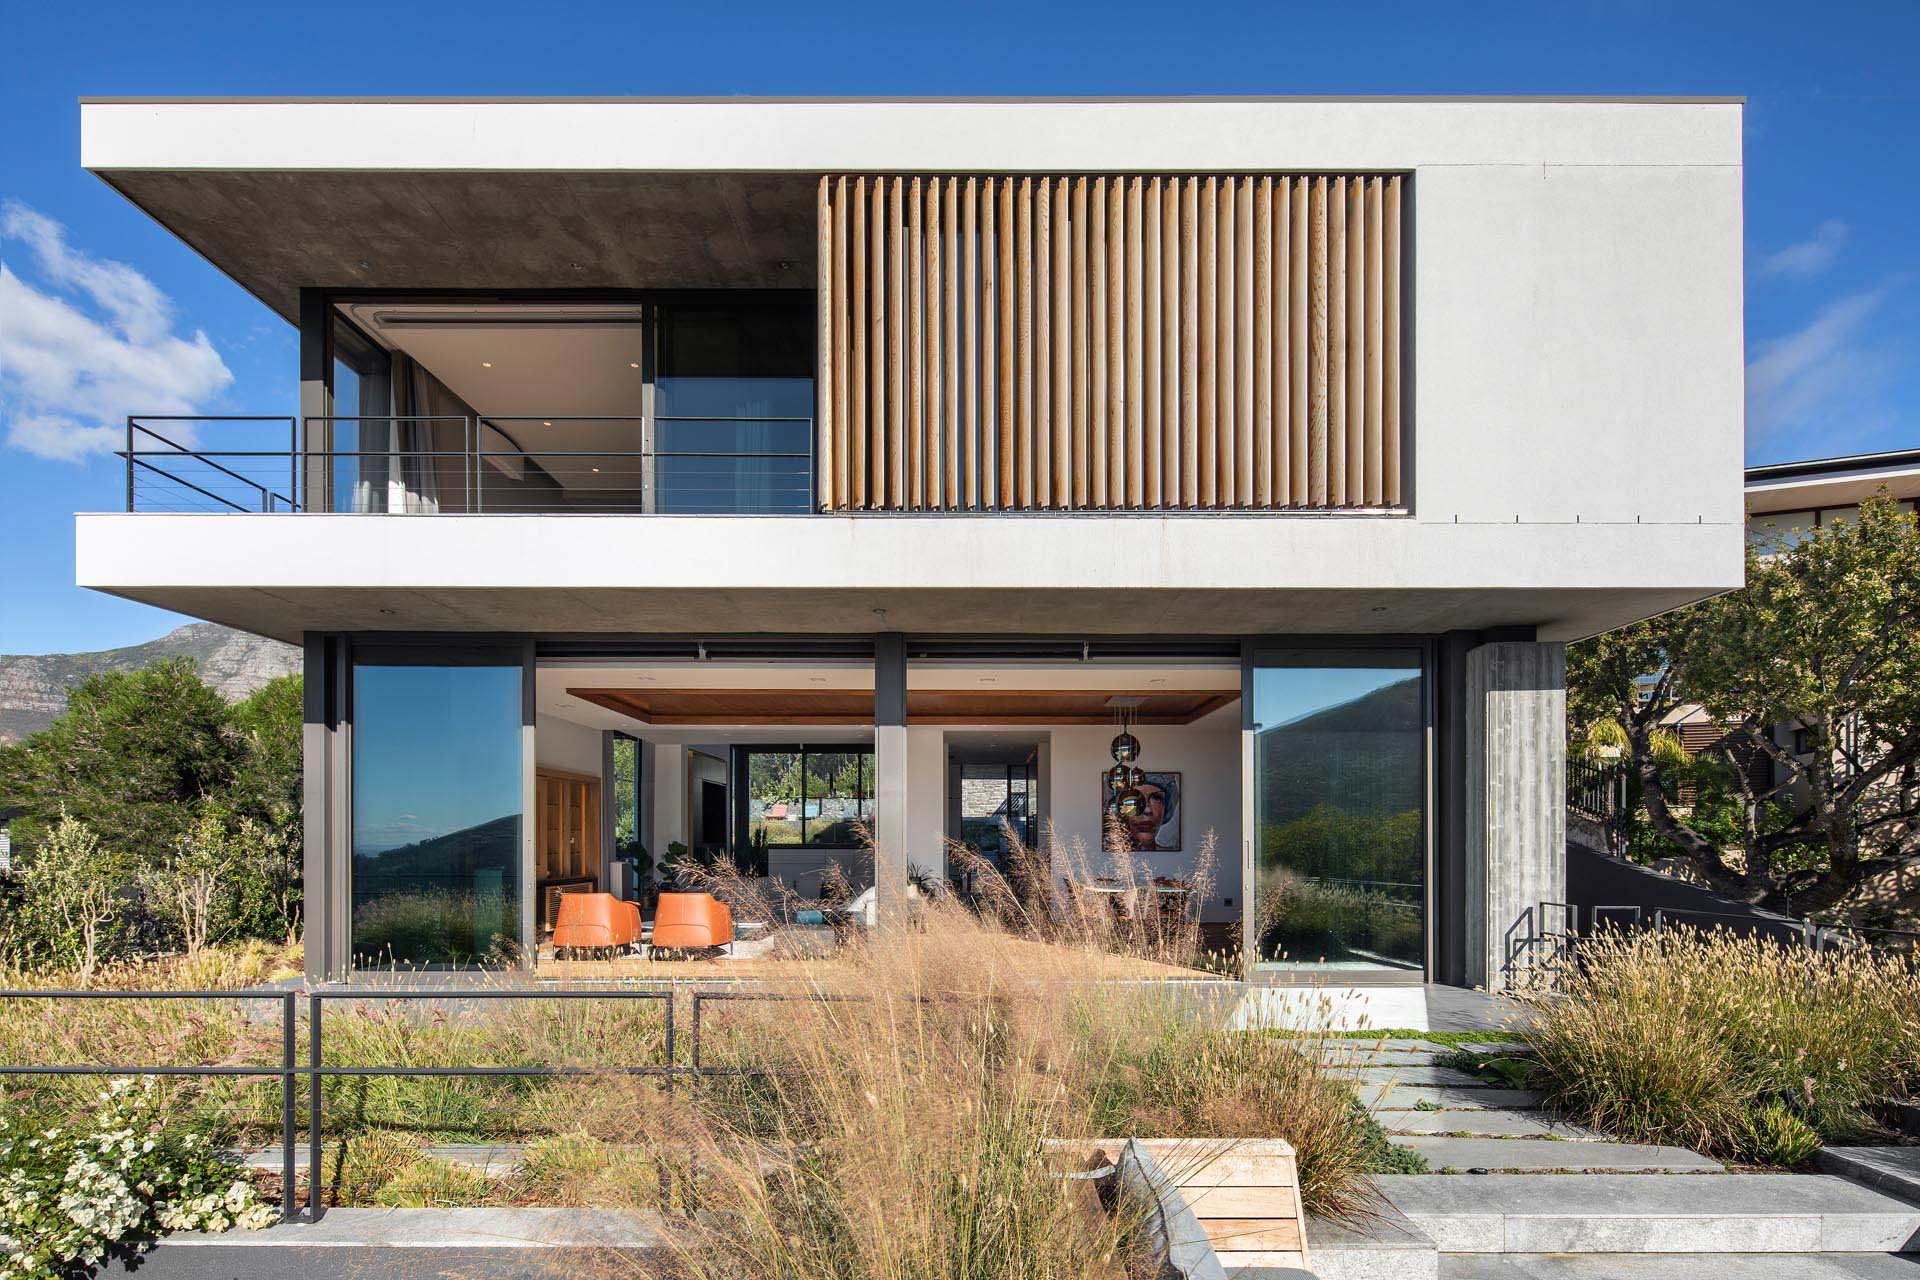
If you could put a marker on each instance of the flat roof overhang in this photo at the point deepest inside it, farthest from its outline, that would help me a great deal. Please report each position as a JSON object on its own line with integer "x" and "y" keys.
{"x": 1832, "y": 482}
{"x": 281, "y": 575}
{"x": 435, "y": 194}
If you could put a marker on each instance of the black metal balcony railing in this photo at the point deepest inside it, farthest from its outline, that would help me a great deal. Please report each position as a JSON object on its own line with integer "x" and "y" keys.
{"x": 425, "y": 464}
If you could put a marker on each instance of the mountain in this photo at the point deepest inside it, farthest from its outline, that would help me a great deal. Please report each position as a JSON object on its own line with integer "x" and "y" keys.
{"x": 33, "y": 688}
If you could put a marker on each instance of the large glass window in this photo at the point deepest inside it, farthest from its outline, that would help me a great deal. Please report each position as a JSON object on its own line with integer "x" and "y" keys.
{"x": 801, "y": 796}
{"x": 733, "y": 409}
{"x": 1339, "y": 776}
{"x": 626, "y": 796}
{"x": 437, "y": 811}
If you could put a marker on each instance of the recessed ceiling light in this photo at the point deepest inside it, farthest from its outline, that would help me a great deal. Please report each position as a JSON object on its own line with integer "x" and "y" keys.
{"x": 988, "y": 679}
{"x": 818, "y": 679}
{"x": 486, "y": 364}
{"x": 1158, "y": 680}
{"x": 546, "y": 424}
{"x": 633, "y": 364}
{"x": 596, "y": 470}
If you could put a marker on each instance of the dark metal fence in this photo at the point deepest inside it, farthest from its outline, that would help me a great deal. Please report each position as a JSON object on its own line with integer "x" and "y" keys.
{"x": 290, "y": 1071}
{"x": 1560, "y": 928}
{"x": 1597, "y": 791}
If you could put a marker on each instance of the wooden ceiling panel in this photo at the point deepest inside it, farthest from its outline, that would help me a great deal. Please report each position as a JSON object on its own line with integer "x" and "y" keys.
{"x": 924, "y": 706}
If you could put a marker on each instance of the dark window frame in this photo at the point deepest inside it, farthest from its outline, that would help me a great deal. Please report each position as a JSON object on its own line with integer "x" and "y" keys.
{"x": 738, "y": 764}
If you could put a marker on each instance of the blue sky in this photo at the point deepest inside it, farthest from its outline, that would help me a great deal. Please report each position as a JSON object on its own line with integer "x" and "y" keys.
{"x": 138, "y": 323}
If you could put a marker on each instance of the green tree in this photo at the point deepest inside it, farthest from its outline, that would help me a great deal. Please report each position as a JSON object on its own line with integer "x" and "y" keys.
{"x": 1825, "y": 640}
{"x": 69, "y": 908}
{"x": 134, "y": 757}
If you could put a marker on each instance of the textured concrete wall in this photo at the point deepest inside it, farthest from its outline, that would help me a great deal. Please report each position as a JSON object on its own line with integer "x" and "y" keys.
{"x": 1515, "y": 803}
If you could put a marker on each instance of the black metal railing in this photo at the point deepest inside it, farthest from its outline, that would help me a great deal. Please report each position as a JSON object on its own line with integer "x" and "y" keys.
{"x": 1598, "y": 791}
{"x": 1551, "y": 934}
{"x": 291, "y": 1072}
{"x": 459, "y": 464}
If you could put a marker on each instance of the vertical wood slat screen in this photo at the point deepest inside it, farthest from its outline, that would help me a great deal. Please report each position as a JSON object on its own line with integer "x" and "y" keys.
{"x": 1118, "y": 342}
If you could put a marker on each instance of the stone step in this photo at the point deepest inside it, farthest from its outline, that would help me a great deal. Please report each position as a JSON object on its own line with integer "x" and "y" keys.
{"x": 1487, "y": 1124}
{"x": 1425, "y": 1075}
{"x": 1894, "y": 1170}
{"x": 1652, "y": 1213}
{"x": 1549, "y": 1154}
{"x": 1674, "y": 1266}
{"x": 1382, "y": 1245}
{"x": 1399, "y": 1097}
{"x": 496, "y": 1159}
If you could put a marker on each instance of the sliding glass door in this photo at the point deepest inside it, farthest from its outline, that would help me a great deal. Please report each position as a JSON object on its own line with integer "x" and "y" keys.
{"x": 1339, "y": 786}
{"x": 438, "y": 804}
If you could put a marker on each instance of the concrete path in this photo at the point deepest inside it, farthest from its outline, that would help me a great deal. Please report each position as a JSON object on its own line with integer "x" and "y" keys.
{"x": 1552, "y": 1154}
{"x": 1652, "y": 1213}
{"x": 1682, "y": 1266}
{"x": 1484, "y": 1124}
{"x": 1894, "y": 1170}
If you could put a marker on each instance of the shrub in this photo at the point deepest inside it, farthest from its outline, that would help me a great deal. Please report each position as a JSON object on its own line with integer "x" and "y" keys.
{"x": 115, "y": 1178}
{"x": 1706, "y": 1039}
{"x": 1772, "y": 1134}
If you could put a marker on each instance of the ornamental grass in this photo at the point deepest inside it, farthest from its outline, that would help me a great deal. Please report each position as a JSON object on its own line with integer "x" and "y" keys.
{"x": 1738, "y": 1047}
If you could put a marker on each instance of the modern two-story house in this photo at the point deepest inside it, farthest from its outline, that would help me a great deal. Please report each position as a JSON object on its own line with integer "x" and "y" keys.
{"x": 747, "y": 475}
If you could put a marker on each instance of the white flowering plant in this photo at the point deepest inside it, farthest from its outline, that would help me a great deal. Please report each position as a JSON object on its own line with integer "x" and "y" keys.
{"x": 113, "y": 1179}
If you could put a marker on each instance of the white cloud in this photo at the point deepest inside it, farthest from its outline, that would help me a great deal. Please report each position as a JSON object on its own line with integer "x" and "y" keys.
{"x": 1809, "y": 257}
{"x": 1823, "y": 382}
{"x": 73, "y": 367}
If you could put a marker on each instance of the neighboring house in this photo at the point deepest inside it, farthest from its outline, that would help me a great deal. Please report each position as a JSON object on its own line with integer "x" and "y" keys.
{"x": 655, "y": 458}
{"x": 1786, "y": 500}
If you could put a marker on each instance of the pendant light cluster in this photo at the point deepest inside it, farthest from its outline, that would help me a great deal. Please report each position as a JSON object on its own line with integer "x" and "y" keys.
{"x": 1125, "y": 776}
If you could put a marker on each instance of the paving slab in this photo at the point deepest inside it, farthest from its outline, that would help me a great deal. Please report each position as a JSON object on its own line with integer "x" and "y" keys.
{"x": 1399, "y": 1097}
{"x": 448, "y": 1229}
{"x": 1385, "y": 1246}
{"x": 1677, "y": 1266}
{"x": 1417, "y": 1074}
{"x": 1493, "y": 1048}
{"x": 1487, "y": 1124}
{"x": 1551, "y": 1154}
{"x": 1895, "y": 1170}
{"x": 1652, "y": 1213}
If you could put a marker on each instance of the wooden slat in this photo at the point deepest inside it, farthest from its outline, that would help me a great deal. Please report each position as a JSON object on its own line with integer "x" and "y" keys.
{"x": 1136, "y": 361}
{"x": 1337, "y": 341}
{"x": 845, "y": 430}
{"x": 1008, "y": 289}
{"x": 1356, "y": 342}
{"x": 916, "y": 361}
{"x": 1207, "y": 427}
{"x": 1243, "y": 373}
{"x": 1062, "y": 346}
{"x": 856, "y": 495}
{"x": 973, "y": 412}
{"x": 1318, "y": 355}
{"x": 1151, "y": 330}
{"x": 1097, "y": 342}
{"x": 1120, "y": 341}
{"x": 1390, "y": 345}
{"x": 1040, "y": 364}
{"x": 1116, "y": 342}
{"x": 950, "y": 352}
{"x": 1376, "y": 233}
{"x": 1023, "y": 463}
{"x": 1082, "y": 349}
{"x": 1170, "y": 343}
{"x": 1190, "y": 373}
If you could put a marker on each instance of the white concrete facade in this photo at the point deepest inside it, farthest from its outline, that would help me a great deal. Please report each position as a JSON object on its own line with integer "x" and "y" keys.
{"x": 1574, "y": 396}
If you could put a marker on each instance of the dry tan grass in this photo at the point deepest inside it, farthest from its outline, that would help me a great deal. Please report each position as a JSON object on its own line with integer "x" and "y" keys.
{"x": 1721, "y": 1043}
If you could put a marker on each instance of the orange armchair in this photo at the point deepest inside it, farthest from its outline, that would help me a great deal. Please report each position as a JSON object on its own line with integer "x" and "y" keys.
{"x": 691, "y": 922}
{"x": 594, "y": 920}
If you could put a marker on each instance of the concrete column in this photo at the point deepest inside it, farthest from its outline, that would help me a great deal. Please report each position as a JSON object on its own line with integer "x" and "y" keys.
{"x": 1515, "y": 804}
{"x": 890, "y": 771}
{"x": 927, "y": 800}
{"x": 315, "y": 400}
{"x": 667, "y": 803}
{"x": 324, "y": 859}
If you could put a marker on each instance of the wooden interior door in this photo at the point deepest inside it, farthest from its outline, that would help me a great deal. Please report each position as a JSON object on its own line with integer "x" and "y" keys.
{"x": 567, "y": 850}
